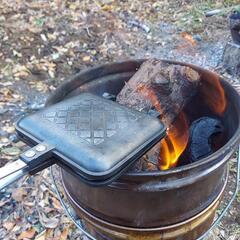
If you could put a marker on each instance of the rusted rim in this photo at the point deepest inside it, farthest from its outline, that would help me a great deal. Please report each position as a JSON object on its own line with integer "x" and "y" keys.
{"x": 164, "y": 228}
{"x": 227, "y": 150}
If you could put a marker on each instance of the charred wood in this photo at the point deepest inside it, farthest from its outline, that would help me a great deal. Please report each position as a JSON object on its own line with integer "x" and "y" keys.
{"x": 159, "y": 87}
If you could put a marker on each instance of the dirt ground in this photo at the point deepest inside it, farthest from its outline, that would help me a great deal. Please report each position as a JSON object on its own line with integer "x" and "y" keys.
{"x": 43, "y": 43}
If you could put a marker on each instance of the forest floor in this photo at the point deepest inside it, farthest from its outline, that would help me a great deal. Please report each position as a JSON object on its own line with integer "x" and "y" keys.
{"x": 43, "y": 43}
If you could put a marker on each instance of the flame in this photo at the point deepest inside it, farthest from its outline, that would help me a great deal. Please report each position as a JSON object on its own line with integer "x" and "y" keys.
{"x": 213, "y": 94}
{"x": 176, "y": 140}
{"x": 173, "y": 145}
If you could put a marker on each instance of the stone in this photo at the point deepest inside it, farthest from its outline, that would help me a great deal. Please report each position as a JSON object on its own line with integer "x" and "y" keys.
{"x": 231, "y": 59}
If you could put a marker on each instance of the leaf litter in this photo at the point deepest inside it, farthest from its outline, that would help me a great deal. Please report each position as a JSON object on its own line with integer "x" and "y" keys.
{"x": 45, "y": 42}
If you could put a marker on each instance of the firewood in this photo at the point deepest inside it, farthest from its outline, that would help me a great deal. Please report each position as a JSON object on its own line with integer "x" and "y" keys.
{"x": 158, "y": 85}
{"x": 163, "y": 87}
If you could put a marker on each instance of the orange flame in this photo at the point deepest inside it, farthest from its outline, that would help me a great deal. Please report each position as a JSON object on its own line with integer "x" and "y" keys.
{"x": 214, "y": 94}
{"x": 176, "y": 140}
{"x": 173, "y": 145}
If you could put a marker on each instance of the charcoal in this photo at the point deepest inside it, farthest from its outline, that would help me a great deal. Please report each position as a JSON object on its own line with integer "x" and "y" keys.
{"x": 200, "y": 140}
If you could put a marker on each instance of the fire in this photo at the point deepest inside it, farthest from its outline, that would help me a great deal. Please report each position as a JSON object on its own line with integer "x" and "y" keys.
{"x": 173, "y": 145}
{"x": 214, "y": 94}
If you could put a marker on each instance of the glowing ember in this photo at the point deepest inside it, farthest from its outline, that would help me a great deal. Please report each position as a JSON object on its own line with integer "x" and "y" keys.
{"x": 173, "y": 145}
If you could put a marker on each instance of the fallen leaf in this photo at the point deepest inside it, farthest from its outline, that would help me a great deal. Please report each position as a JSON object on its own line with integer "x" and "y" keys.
{"x": 4, "y": 140}
{"x": 9, "y": 129}
{"x": 8, "y": 225}
{"x": 21, "y": 71}
{"x": 64, "y": 234}
{"x": 56, "y": 203}
{"x": 41, "y": 236}
{"x": 29, "y": 204}
{"x": 17, "y": 54}
{"x": 51, "y": 73}
{"x": 43, "y": 37}
{"x": 48, "y": 222}
{"x": 6, "y": 84}
{"x": 86, "y": 58}
{"x": 27, "y": 234}
{"x": 16, "y": 228}
{"x": 107, "y": 7}
{"x": 18, "y": 194}
{"x": 12, "y": 151}
{"x": 2, "y": 203}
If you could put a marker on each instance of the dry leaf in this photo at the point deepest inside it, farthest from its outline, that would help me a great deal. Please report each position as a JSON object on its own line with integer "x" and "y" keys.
{"x": 16, "y": 228}
{"x": 56, "y": 204}
{"x": 51, "y": 73}
{"x": 86, "y": 58}
{"x": 107, "y": 7}
{"x": 21, "y": 71}
{"x": 19, "y": 194}
{"x": 64, "y": 234}
{"x": 6, "y": 84}
{"x": 49, "y": 234}
{"x": 27, "y": 234}
{"x": 43, "y": 37}
{"x": 8, "y": 225}
{"x": 48, "y": 222}
{"x": 41, "y": 236}
{"x": 2, "y": 203}
{"x": 12, "y": 151}
{"x": 9, "y": 129}
{"x": 29, "y": 204}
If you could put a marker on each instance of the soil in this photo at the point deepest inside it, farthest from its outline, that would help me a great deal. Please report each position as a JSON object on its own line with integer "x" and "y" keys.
{"x": 43, "y": 43}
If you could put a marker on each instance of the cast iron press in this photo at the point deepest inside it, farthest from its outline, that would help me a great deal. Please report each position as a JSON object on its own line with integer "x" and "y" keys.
{"x": 95, "y": 138}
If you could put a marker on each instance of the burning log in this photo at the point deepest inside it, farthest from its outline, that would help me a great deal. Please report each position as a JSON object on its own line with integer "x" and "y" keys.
{"x": 166, "y": 88}
{"x": 158, "y": 85}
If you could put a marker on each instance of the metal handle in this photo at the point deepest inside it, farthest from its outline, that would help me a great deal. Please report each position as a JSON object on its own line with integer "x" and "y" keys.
{"x": 11, "y": 168}
{"x": 79, "y": 225}
{"x": 13, "y": 177}
{"x": 31, "y": 161}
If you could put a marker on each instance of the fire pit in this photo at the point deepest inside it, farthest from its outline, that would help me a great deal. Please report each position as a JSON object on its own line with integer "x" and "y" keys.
{"x": 179, "y": 203}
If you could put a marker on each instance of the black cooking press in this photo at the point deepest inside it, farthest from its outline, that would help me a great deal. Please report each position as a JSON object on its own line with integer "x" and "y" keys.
{"x": 94, "y": 138}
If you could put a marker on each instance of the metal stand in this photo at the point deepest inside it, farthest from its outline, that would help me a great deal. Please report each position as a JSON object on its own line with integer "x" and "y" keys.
{"x": 70, "y": 212}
